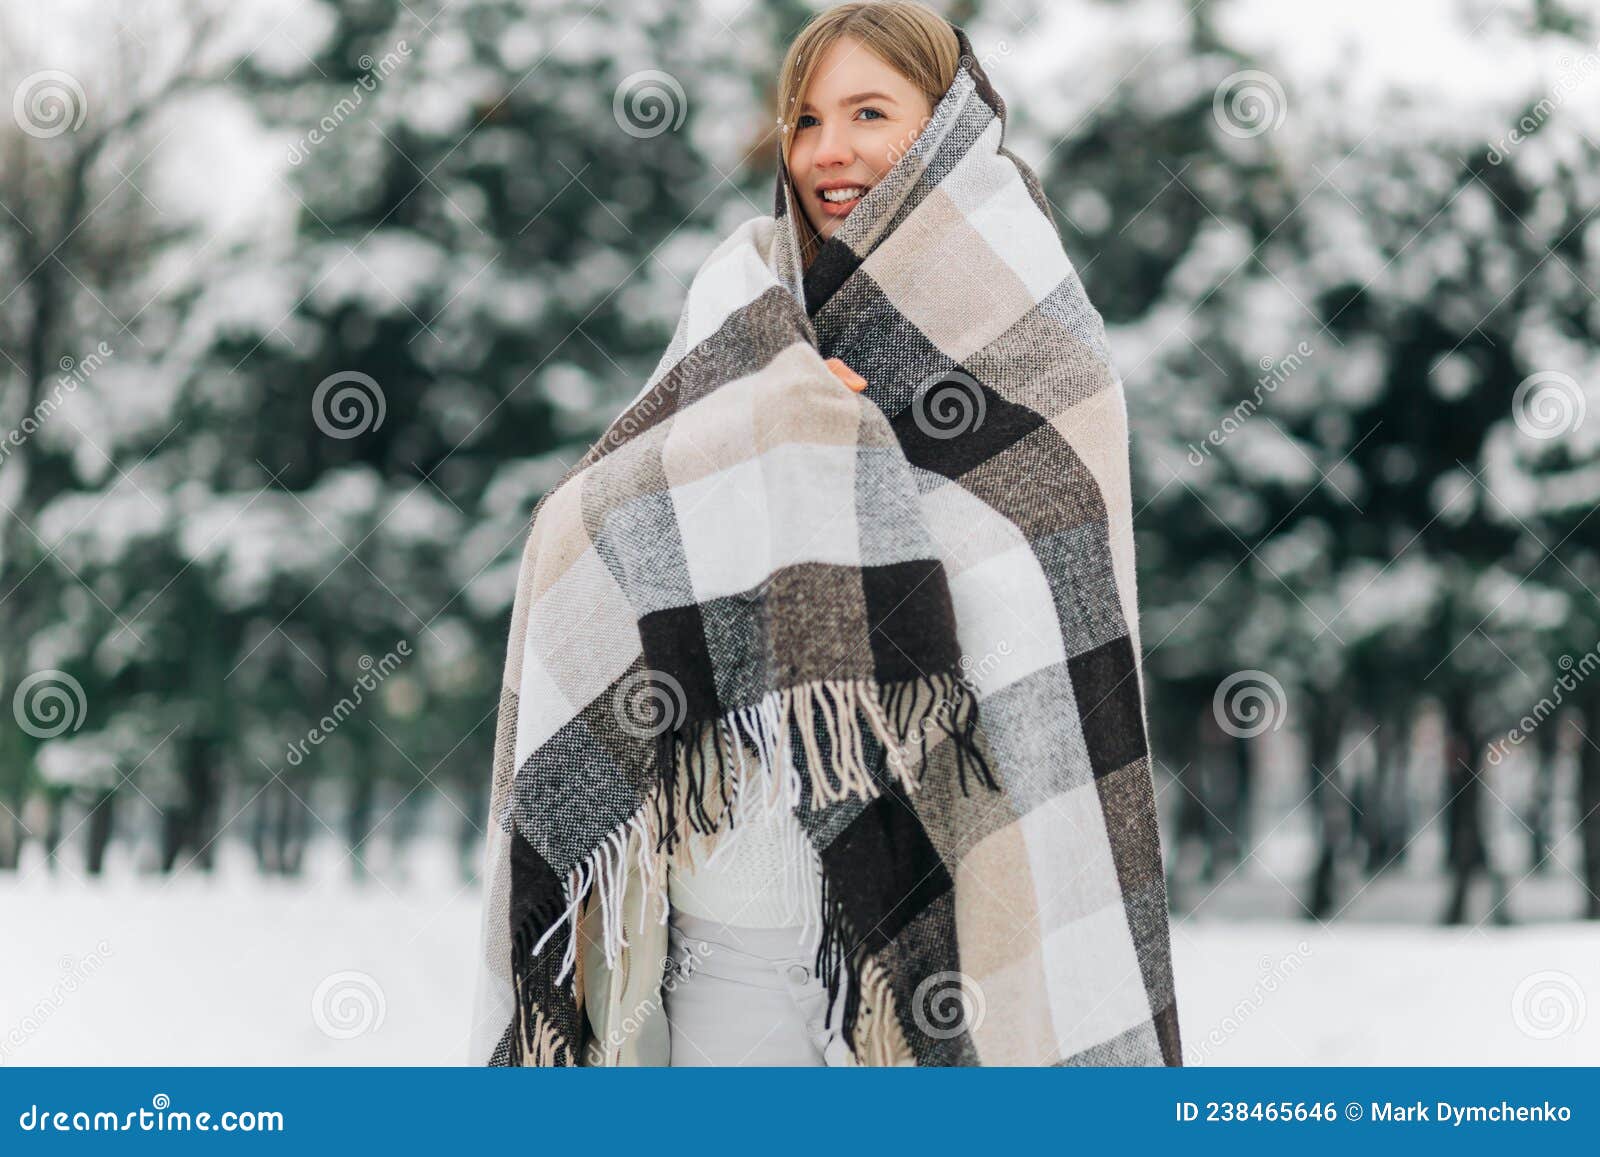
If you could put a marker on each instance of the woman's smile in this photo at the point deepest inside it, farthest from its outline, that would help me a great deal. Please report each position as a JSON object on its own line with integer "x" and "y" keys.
{"x": 838, "y": 197}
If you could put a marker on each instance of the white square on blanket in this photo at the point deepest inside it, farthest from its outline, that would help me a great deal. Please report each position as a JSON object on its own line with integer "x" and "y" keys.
{"x": 576, "y": 615}
{"x": 724, "y": 284}
{"x": 811, "y": 497}
{"x": 541, "y": 708}
{"x": 1070, "y": 855}
{"x": 995, "y": 601}
{"x": 989, "y": 192}
{"x": 722, "y": 517}
{"x": 965, "y": 529}
{"x": 1092, "y": 975}
{"x": 1025, "y": 241}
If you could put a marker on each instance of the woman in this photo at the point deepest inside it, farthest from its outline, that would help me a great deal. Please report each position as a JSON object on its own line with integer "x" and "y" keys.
{"x": 888, "y": 799}
{"x": 857, "y": 84}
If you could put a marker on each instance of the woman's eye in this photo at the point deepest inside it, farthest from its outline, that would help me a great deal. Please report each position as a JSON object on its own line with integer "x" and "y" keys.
{"x": 807, "y": 120}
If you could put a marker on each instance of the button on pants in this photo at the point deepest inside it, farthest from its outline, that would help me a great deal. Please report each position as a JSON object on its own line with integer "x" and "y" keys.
{"x": 745, "y": 996}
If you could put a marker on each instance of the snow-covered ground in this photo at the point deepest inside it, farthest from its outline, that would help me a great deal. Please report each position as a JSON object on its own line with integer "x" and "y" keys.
{"x": 1284, "y": 993}
{"x": 238, "y": 970}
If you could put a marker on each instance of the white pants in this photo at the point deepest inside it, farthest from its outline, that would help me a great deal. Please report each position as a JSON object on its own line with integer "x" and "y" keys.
{"x": 745, "y": 996}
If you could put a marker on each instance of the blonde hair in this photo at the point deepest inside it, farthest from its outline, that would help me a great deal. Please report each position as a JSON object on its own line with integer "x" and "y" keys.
{"x": 910, "y": 38}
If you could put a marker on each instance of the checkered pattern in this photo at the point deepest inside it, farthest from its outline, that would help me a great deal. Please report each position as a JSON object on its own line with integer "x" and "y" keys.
{"x": 912, "y": 610}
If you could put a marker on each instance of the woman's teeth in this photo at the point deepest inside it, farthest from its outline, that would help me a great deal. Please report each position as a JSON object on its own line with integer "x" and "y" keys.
{"x": 848, "y": 194}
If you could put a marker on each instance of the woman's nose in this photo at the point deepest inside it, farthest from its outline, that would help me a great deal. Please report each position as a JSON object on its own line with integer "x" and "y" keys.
{"x": 833, "y": 147}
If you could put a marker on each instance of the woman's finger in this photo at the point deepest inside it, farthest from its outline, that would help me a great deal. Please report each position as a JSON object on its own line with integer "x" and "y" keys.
{"x": 847, "y": 375}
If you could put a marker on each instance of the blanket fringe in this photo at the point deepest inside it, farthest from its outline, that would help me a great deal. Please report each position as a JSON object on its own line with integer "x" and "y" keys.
{"x": 707, "y": 788}
{"x": 858, "y": 981}
{"x": 534, "y": 1039}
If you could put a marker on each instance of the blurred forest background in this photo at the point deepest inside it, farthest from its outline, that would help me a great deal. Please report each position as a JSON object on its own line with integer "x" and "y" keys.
{"x": 303, "y": 304}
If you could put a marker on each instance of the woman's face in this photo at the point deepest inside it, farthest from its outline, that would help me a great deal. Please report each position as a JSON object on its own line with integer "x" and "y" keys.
{"x": 857, "y": 117}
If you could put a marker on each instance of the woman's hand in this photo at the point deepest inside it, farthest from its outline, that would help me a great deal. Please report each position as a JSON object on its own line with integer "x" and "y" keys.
{"x": 847, "y": 375}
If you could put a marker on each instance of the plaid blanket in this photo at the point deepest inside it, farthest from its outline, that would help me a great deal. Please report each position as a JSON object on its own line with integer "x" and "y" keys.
{"x": 910, "y": 612}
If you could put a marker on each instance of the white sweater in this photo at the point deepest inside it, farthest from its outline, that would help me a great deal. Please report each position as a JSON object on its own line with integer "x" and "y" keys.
{"x": 762, "y": 873}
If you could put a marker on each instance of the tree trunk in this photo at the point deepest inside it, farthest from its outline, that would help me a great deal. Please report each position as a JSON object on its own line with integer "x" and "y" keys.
{"x": 16, "y": 748}
{"x": 12, "y": 832}
{"x": 1547, "y": 750}
{"x": 1467, "y": 846}
{"x": 1589, "y": 807}
{"x": 293, "y": 826}
{"x": 100, "y": 827}
{"x": 191, "y": 825}
{"x": 358, "y": 821}
{"x": 1384, "y": 821}
{"x": 55, "y": 815}
{"x": 1236, "y": 813}
{"x": 468, "y": 837}
{"x": 1323, "y": 732}
{"x": 1189, "y": 820}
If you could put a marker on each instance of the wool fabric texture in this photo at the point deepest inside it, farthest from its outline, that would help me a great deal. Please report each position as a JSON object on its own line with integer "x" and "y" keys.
{"x": 907, "y": 614}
